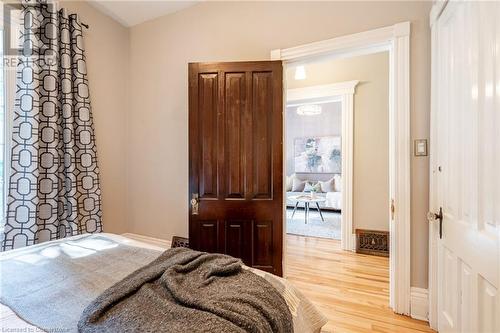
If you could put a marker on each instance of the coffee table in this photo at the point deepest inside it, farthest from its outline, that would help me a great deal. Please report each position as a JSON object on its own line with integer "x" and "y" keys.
{"x": 307, "y": 200}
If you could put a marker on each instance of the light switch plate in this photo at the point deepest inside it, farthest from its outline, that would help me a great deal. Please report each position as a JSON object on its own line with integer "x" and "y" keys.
{"x": 420, "y": 147}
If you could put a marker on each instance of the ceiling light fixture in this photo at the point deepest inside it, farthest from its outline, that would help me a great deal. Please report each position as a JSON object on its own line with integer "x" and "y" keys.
{"x": 309, "y": 110}
{"x": 300, "y": 73}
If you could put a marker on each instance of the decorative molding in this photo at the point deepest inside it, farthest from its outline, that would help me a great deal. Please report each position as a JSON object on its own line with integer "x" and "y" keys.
{"x": 276, "y": 54}
{"x": 353, "y": 242}
{"x": 343, "y": 92}
{"x": 335, "y": 91}
{"x": 436, "y": 11}
{"x": 149, "y": 240}
{"x": 346, "y": 219}
{"x": 355, "y": 44}
{"x": 10, "y": 98}
{"x": 400, "y": 155}
{"x": 402, "y": 29}
{"x": 10, "y": 86}
{"x": 396, "y": 40}
{"x": 419, "y": 306}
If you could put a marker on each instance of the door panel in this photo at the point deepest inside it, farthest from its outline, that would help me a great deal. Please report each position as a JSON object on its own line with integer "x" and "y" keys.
{"x": 488, "y": 306}
{"x": 448, "y": 295}
{"x": 262, "y": 138}
{"x": 235, "y": 95}
{"x": 235, "y": 160}
{"x": 263, "y": 249}
{"x": 466, "y": 288}
{"x": 208, "y": 90}
{"x": 238, "y": 235}
{"x": 465, "y": 150}
{"x": 206, "y": 235}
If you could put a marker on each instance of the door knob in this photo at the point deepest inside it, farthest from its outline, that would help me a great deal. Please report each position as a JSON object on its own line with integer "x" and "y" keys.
{"x": 194, "y": 204}
{"x": 431, "y": 216}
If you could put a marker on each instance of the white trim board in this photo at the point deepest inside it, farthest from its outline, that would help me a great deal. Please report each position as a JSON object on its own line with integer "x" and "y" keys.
{"x": 396, "y": 40}
{"x": 436, "y": 11}
{"x": 9, "y": 94}
{"x": 344, "y": 93}
{"x": 321, "y": 91}
{"x": 149, "y": 240}
{"x": 366, "y": 42}
{"x": 419, "y": 307}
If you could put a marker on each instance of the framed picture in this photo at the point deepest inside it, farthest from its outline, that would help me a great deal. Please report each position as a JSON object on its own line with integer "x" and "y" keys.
{"x": 318, "y": 154}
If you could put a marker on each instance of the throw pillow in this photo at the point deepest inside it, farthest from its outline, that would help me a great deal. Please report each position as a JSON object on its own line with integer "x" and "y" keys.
{"x": 308, "y": 187}
{"x": 328, "y": 186}
{"x": 298, "y": 185}
{"x": 337, "y": 183}
{"x": 312, "y": 186}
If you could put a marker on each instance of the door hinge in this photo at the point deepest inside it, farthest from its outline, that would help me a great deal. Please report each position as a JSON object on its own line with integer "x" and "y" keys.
{"x": 393, "y": 209}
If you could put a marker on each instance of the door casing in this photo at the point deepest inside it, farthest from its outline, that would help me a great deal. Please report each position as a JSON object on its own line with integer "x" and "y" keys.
{"x": 396, "y": 40}
{"x": 342, "y": 92}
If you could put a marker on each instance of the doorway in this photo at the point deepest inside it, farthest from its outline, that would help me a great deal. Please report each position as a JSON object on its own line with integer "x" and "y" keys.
{"x": 313, "y": 131}
{"x": 337, "y": 126}
{"x": 394, "y": 40}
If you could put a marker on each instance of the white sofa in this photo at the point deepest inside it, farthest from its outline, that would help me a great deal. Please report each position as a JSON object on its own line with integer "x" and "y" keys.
{"x": 333, "y": 199}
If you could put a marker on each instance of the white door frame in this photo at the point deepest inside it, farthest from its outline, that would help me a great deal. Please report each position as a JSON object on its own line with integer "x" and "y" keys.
{"x": 396, "y": 40}
{"x": 436, "y": 11}
{"x": 344, "y": 93}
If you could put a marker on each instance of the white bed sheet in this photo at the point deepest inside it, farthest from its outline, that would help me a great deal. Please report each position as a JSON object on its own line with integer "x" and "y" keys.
{"x": 306, "y": 317}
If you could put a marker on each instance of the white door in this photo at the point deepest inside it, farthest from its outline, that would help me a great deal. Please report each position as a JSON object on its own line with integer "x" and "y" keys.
{"x": 465, "y": 166}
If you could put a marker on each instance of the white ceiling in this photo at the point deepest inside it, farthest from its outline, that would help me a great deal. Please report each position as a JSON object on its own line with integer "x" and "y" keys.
{"x": 132, "y": 12}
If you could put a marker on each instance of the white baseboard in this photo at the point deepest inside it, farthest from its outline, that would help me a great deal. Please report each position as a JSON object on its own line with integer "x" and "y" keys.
{"x": 149, "y": 240}
{"x": 353, "y": 242}
{"x": 419, "y": 304}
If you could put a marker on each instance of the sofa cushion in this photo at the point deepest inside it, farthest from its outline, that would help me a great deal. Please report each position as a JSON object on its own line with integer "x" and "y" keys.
{"x": 334, "y": 200}
{"x": 328, "y": 186}
{"x": 308, "y": 187}
{"x": 312, "y": 187}
{"x": 337, "y": 179}
{"x": 298, "y": 185}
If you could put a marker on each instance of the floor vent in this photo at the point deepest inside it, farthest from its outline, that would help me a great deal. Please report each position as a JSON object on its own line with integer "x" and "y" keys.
{"x": 180, "y": 242}
{"x": 372, "y": 242}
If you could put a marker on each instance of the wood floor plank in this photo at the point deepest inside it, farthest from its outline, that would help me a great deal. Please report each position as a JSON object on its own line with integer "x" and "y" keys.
{"x": 350, "y": 289}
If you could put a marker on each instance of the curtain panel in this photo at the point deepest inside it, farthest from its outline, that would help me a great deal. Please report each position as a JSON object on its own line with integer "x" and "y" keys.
{"x": 54, "y": 188}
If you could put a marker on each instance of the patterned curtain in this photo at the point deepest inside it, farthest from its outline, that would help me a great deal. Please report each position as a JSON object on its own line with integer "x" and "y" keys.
{"x": 54, "y": 189}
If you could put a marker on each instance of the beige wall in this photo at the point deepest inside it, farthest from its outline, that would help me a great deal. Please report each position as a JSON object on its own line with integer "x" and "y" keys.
{"x": 219, "y": 31}
{"x": 107, "y": 51}
{"x": 371, "y": 130}
{"x": 148, "y": 149}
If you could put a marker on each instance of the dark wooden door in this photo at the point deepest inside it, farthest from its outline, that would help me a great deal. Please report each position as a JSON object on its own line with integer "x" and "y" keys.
{"x": 236, "y": 161}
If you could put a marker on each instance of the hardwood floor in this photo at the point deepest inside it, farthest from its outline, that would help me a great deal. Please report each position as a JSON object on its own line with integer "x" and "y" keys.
{"x": 351, "y": 290}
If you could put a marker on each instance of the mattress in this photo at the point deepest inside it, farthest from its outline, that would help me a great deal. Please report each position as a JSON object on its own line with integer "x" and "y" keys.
{"x": 305, "y": 316}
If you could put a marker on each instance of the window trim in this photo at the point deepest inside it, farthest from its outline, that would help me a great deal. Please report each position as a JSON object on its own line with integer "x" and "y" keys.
{"x": 9, "y": 92}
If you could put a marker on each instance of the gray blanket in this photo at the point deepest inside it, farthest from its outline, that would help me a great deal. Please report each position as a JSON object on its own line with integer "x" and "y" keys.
{"x": 189, "y": 291}
{"x": 50, "y": 285}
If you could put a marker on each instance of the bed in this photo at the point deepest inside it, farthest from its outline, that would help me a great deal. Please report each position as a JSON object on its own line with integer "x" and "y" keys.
{"x": 95, "y": 249}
